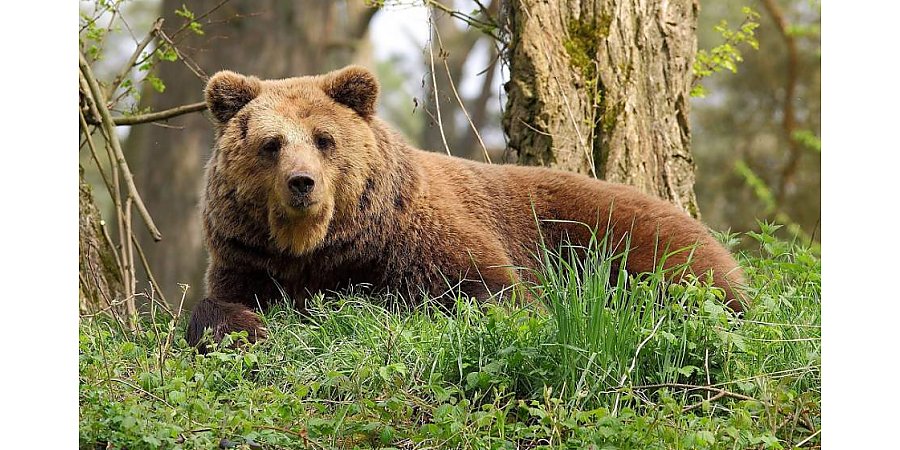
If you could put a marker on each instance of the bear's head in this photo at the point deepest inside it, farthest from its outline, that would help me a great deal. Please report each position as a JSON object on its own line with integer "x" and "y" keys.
{"x": 295, "y": 151}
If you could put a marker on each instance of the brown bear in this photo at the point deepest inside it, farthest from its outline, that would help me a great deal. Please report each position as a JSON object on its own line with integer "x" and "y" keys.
{"x": 307, "y": 191}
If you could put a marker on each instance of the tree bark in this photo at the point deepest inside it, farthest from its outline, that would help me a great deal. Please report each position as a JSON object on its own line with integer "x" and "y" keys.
{"x": 99, "y": 279}
{"x": 269, "y": 39}
{"x": 602, "y": 87}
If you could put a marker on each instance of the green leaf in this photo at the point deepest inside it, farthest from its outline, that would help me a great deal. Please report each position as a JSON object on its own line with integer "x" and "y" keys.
{"x": 157, "y": 83}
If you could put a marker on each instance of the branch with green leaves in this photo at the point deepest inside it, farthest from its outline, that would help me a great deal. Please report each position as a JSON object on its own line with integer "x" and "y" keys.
{"x": 726, "y": 55}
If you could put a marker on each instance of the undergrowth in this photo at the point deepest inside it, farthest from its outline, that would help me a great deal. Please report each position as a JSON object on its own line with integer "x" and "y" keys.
{"x": 631, "y": 363}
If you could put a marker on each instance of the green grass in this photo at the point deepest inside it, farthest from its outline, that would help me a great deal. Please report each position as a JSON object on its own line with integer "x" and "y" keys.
{"x": 615, "y": 366}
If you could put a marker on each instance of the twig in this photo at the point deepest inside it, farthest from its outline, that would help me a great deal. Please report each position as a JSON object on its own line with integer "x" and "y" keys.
{"x": 301, "y": 434}
{"x": 111, "y": 307}
{"x": 487, "y": 158}
{"x": 146, "y": 265}
{"x": 155, "y": 326}
{"x": 128, "y": 258}
{"x": 108, "y": 124}
{"x": 134, "y": 56}
{"x": 437, "y": 98}
{"x": 134, "y": 386}
{"x": 160, "y": 115}
{"x": 182, "y": 438}
{"x": 696, "y": 387}
{"x": 187, "y": 23}
{"x": 699, "y": 404}
{"x": 484, "y": 27}
{"x": 190, "y": 63}
{"x": 171, "y": 333}
{"x": 757, "y": 322}
{"x": 810, "y": 339}
{"x": 111, "y": 304}
{"x": 808, "y": 438}
{"x": 806, "y": 422}
{"x": 99, "y": 341}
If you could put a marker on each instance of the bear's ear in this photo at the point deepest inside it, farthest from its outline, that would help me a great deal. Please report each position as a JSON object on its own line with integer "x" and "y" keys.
{"x": 227, "y": 92}
{"x": 354, "y": 87}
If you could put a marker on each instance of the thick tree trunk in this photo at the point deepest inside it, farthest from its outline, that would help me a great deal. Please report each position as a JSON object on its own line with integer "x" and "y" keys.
{"x": 269, "y": 39}
{"x": 99, "y": 279}
{"x": 602, "y": 87}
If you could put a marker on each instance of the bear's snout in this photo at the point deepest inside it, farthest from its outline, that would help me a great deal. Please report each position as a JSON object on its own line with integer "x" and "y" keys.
{"x": 300, "y": 185}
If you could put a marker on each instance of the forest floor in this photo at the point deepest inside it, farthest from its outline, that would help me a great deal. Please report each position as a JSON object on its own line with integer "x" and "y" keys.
{"x": 590, "y": 366}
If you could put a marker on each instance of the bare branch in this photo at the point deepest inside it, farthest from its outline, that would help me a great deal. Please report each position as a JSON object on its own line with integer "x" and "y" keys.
{"x": 171, "y": 334}
{"x": 160, "y": 115}
{"x": 697, "y": 387}
{"x": 198, "y": 18}
{"x": 134, "y": 56}
{"x": 485, "y": 27}
{"x": 437, "y": 99}
{"x": 109, "y": 125}
{"x": 146, "y": 264}
{"x": 190, "y": 63}
{"x": 487, "y": 157}
{"x": 700, "y": 403}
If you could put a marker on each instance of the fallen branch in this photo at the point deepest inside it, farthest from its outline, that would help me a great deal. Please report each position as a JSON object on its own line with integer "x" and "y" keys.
{"x": 143, "y": 391}
{"x": 689, "y": 387}
{"x": 699, "y": 404}
{"x": 808, "y": 438}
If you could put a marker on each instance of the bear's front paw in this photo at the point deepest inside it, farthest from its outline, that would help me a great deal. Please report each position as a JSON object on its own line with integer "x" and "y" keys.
{"x": 222, "y": 318}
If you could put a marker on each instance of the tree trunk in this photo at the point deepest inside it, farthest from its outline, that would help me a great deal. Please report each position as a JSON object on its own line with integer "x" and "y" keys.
{"x": 602, "y": 87}
{"x": 269, "y": 39}
{"x": 99, "y": 279}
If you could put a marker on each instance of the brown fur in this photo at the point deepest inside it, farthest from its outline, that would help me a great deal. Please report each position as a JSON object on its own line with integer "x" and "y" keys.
{"x": 384, "y": 213}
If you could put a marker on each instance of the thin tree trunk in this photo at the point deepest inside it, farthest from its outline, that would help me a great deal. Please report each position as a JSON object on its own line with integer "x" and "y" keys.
{"x": 269, "y": 39}
{"x": 602, "y": 87}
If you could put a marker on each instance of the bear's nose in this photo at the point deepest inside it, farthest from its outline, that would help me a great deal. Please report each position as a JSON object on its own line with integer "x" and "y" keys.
{"x": 301, "y": 184}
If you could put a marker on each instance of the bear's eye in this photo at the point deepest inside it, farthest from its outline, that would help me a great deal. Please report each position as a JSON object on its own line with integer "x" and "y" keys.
{"x": 270, "y": 147}
{"x": 324, "y": 141}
